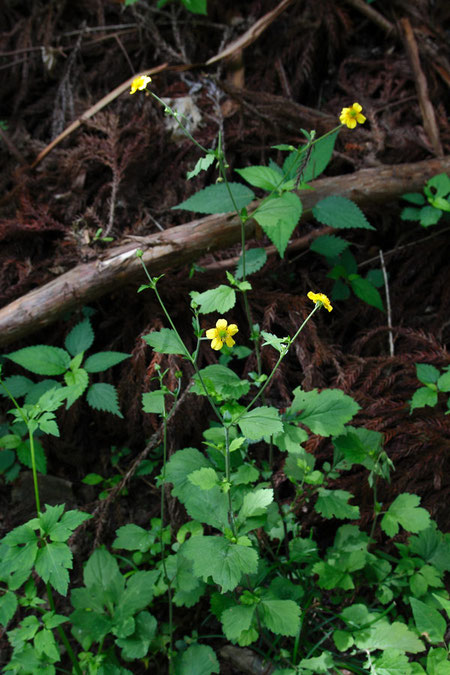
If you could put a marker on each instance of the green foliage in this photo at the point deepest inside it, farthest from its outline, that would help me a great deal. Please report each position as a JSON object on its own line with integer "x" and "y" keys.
{"x": 436, "y": 193}
{"x": 278, "y": 217}
{"x": 165, "y": 341}
{"x": 435, "y": 382}
{"x": 217, "y": 199}
{"x": 340, "y": 213}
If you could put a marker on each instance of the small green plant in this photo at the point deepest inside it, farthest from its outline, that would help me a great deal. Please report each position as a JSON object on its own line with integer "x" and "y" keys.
{"x": 194, "y": 6}
{"x": 71, "y": 364}
{"x": 434, "y": 382}
{"x": 431, "y": 205}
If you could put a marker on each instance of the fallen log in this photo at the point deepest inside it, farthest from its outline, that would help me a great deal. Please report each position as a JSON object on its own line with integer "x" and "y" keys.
{"x": 183, "y": 244}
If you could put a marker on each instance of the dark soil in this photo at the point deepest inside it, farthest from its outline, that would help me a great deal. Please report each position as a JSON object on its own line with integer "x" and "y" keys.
{"x": 123, "y": 171}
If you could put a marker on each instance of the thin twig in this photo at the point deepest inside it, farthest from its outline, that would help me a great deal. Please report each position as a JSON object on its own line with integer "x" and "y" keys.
{"x": 388, "y": 303}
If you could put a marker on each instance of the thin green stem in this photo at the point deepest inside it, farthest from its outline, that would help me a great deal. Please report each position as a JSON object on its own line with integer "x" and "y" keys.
{"x": 227, "y": 478}
{"x": 175, "y": 115}
{"x": 63, "y": 635}
{"x": 34, "y": 471}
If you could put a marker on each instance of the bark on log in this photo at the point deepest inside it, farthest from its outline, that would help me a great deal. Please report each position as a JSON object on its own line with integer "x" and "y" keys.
{"x": 186, "y": 243}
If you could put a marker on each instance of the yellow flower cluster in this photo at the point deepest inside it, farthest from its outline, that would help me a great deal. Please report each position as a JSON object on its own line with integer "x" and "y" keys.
{"x": 221, "y": 334}
{"x": 140, "y": 83}
{"x": 351, "y": 116}
{"x": 322, "y": 298}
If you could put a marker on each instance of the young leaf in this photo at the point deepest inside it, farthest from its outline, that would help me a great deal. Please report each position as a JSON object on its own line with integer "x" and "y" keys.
{"x": 80, "y": 338}
{"x": 220, "y": 559}
{"x": 216, "y": 199}
{"x": 259, "y": 422}
{"x": 364, "y": 290}
{"x": 422, "y": 397}
{"x": 405, "y": 511}
{"x": 103, "y": 396}
{"x": 255, "y": 503}
{"x": 136, "y": 645}
{"x": 77, "y": 382}
{"x": 237, "y": 619}
{"x": 181, "y": 464}
{"x": 255, "y": 259}
{"x": 334, "y": 504}
{"x": 325, "y": 413}
{"x": 321, "y": 664}
{"x": 165, "y": 341}
{"x": 220, "y": 299}
{"x": 104, "y": 360}
{"x": 414, "y": 198}
{"x": 37, "y": 390}
{"x": 383, "y": 635}
{"x": 131, "y": 537}
{"x": 42, "y": 359}
{"x": 426, "y": 373}
{"x": 8, "y": 606}
{"x": 278, "y": 217}
{"x": 221, "y": 382}
{"x": 205, "y": 478}
{"x": 340, "y": 212}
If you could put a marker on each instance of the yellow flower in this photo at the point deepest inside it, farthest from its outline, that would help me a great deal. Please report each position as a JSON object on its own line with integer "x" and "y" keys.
{"x": 222, "y": 334}
{"x": 350, "y": 116}
{"x": 322, "y": 298}
{"x": 140, "y": 83}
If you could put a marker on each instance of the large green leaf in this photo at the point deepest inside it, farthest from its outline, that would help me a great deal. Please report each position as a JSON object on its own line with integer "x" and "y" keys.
{"x": 319, "y": 158}
{"x": 340, "y": 212}
{"x": 42, "y": 359}
{"x": 220, "y": 299}
{"x": 405, "y": 511}
{"x": 80, "y": 338}
{"x": 334, "y": 504}
{"x": 325, "y": 413}
{"x": 278, "y": 217}
{"x": 255, "y": 258}
{"x": 104, "y": 360}
{"x": 221, "y": 382}
{"x": 280, "y": 616}
{"x": 259, "y": 422}
{"x": 165, "y": 341}
{"x": 237, "y": 619}
{"x": 52, "y": 562}
{"x": 198, "y": 659}
{"x": 385, "y": 635}
{"x": 428, "y": 621}
{"x": 219, "y": 558}
{"x": 136, "y": 646}
{"x": 216, "y": 199}
{"x": 103, "y": 396}
{"x": 261, "y": 176}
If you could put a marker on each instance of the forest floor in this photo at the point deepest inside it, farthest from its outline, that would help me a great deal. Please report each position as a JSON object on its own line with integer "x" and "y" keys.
{"x": 123, "y": 169}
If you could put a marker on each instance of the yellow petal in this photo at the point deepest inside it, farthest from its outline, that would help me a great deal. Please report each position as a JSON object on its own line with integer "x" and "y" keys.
{"x": 217, "y": 343}
{"x": 221, "y": 324}
{"x": 357, "y": 107}
{"x": 232, "y": 329}
{"x": 211, "y": 333}
{"x": 351, "y": 123}
{"x": 360, "y": 118}
{"x": 229, "y": 341}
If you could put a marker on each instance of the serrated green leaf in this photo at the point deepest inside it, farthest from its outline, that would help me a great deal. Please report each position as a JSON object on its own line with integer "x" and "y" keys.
{"x": 429, "y": 216}
{"x": 255, "y": 503}
{"x": 165, "y": 341}
{"x": 198, "y": 659}
{"x": 80, "y": 338}
{"x": 205, "y": 478}
{"x": 282, "y": 617}
{"x": 202, "y": 164}
{"x": 180, "y": 466}
{"x": 52, "y": 563}
{"x": 42, "y": 359}
{"x": 410, "y": 213}
{"x": 220, "y": 559}
{"x": 426, "y": 373}
{"x": 405, "y": 511}
{"x": 153, "y": 402}
{"x": 261, "y": 176}
{"x": 101, "y": 577}
{"x": 138, "y": 593}
{"x": 220, "y": 299}
{"x": 8, "y": 606}
{"x": 329, "y": 245}
{"x": 278, "y": 217}
{"x": 237, "y": 619}
{"x": 24, "y": 455}
{"x": 136, "y": 646}
{"x": 255, "y": 259}
{"x": 221, "y": 382}
{"x": 342, "y": 640}
{"x": 443, "y": 382}
{"x": 37, "y": 390}
{"x": 391, "y": 662}
{"x": 17, "y": 385}
{"x": 104, "y": 360}
{"x": 341, "y": 213}
{"x": 44, "y": 643}
{"x": 385, "y": 635}
{"x": 364, "y": 290}
{"x": 422, "y": 397}
{"x": 437, "y": 662}
{"x": 273, "y": 341}
{"x": 195, "y": 6}
{"x": 428, "y": 621}
{"x": 318, "y": 664}
{"x": 77, "y": 382}
{"x": 325, "y": 413}
{"x": 103, "y": 396}
{"x": 131, "y": 537}
{"x": 216, "y": 199}
{"x": 259, "y": 422}
{"x": 375, "y": 277}
{"x": 414, "y": 198}
{"x": 441, "y": 183}
{"x": 7, "y": 457}
{"x": 320, "y": 155}
{"x": 334, "y": 503}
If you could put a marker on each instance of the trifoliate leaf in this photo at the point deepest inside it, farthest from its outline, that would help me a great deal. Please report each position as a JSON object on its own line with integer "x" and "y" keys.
{"x": 103, "y": 396}
{"x": 216, "y": 199}
{"x": 405, "y": 511}
{"x": 42, "y": 359}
